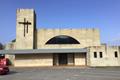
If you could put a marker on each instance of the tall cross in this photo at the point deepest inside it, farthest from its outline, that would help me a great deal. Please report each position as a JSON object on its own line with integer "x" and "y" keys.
{"x": 25, "y": 23}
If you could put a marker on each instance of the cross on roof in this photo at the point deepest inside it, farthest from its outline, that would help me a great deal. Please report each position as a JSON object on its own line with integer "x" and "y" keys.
{"x": 25, "y": 23}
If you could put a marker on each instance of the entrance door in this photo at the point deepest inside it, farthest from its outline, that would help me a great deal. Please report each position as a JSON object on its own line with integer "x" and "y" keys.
{"x": 62, "y": 59}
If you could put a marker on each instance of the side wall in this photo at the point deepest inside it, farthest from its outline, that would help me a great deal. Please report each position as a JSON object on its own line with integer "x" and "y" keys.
{"x": 30, "y": 60}
{"x": 112, "y": 60}
{"x": 108, "y": 56}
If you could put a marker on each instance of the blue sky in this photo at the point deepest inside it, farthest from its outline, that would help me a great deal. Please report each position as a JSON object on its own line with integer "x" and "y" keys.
{"x": 102, "y": 14}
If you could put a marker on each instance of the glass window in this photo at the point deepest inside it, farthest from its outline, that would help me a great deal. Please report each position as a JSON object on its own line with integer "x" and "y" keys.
{"x": 95, "y": 54}
{"x": 116, "y": 54}
{"x": 101, "y": 55}
{"x": 62, "y": 39}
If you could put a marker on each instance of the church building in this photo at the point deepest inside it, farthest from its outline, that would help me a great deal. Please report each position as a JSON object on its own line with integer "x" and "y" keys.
{"x": 57, "y": 47}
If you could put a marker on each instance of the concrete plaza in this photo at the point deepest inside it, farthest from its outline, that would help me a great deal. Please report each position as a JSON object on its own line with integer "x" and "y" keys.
{"x": 62, "y": 73}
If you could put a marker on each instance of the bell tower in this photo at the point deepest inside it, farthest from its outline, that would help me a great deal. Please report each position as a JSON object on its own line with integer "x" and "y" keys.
{"x": 25, "y": 28}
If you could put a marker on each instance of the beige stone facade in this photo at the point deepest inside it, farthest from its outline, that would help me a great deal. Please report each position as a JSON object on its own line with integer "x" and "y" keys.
{"x": 28, "y": 37}
{"x": 110, "y": 56}
{"x": 86, "y": 37}
{"x": 24, "y": 37}
{"x": 31, "y": 59}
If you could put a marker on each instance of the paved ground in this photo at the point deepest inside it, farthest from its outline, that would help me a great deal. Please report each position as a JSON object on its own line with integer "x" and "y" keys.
{"x": 62, "y": 73}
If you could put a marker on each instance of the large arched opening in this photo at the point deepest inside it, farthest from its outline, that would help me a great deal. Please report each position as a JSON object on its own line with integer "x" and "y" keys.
{"x": 62, "y": 39}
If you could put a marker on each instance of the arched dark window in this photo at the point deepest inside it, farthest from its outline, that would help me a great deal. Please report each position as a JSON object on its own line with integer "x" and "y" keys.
{"x": 62, "y": 39}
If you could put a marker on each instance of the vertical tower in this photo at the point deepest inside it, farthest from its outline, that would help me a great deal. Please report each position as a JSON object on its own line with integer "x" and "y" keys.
{"x": 25, "y": 28}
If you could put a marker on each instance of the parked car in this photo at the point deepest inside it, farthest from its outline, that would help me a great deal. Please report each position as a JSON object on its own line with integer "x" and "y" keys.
{"x": 4, "y": 70}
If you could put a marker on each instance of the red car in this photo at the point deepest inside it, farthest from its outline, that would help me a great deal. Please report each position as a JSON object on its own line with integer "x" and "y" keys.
{"x": 4, "y": 70}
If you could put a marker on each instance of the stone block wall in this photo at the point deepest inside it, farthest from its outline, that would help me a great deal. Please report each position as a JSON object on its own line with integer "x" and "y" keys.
{"x": 80, "y": 59}
{"x": 86, "y": 37}
{"x": 108, "y": 56}
{"x": 24, "y": 39}
{"x": 32, "y": 60}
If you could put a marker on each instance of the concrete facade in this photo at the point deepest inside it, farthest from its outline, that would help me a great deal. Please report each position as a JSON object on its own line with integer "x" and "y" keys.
{"x": 80, "y": 59}
{"x": 86, "y": 37}
{"x": 25, "y": 32}
{"x": 28, "y": 37}
{"x": 31, "y": 59}
{"x": 108, "y": 56}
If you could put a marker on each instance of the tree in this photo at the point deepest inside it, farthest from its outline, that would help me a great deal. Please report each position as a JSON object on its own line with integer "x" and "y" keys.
{"x": 1, "y": 46}
{"x": 14, "y": 40}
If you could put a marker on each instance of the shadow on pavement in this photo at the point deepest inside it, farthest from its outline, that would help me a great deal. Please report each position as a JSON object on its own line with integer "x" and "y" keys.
{"x": 12, "y": 72}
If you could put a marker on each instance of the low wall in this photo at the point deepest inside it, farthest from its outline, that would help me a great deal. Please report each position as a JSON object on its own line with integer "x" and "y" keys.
{"x": 80, "y": 59}
{"x": 30, "y": 60}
